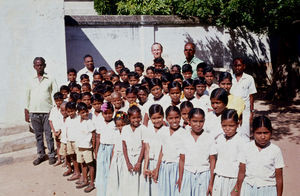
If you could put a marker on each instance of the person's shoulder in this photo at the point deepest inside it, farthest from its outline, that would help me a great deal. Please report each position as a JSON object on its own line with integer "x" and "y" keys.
{"x": 247, "y": 76}
{"x": 274, "y": 148}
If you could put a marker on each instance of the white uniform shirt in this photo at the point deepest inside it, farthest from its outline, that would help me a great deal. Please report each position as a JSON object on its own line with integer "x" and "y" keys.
{"x": 212, "y": 124}
{"x": 72, "y": 128}
{"x": 197, "y": 152}
{"x": 203, "y": 102}
{"x": 133, "y": 139}
{"x": 87, "y": 72}
{"x": 211, "y": 88}
{"x": 63, "y": 134}
{"x": 85, "y": 129}
{"x": 164, "y": 101}
{"x": 243, "y": 88}
{"x": 97, "y": 120}
{"x": 261, "y": 165}
{"x": 117, "y": 141}
{"x": 152, "y": 137}
{"x": 229, "y": 152}
{"x": 106, "y": 132}
{"x": 171, "y": 144}
{"x": 56, "y": 117}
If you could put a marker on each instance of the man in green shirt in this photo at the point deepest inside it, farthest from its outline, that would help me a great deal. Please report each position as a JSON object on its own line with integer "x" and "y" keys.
{"x": 189, "y": 52}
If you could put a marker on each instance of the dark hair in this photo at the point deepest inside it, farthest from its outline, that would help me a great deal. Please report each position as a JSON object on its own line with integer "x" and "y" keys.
{"x": 159, "y": 60}
{"x": 114, "y": 75}
{"x": 177, "y": 66}
{"x": 64, "y": 88}
{"x": 75, "y": 96}
{"x": 261, "y": 121}
{"x": 209, "y": 69}
{"x": 140, "y": 65}
{"x": 119, "y": 62}
{"x": 177, "y": 76}
{"x": 86, "y": 94}
{"x": 75, "y": 85}
{"x": 155, "y": 82}
{"x": 133, "y": 109}
{"x": 108, "y": 84}
{"x": 109, "y": 106}
{"x": 172, "y": 108}
{"x": 201, "y": 65}
{"x": 225, "y": 75}
{"x": 145, "y": 80}
{"x": 143, "y": 88}
{"x": 187, "y": 68}
{"x": 102, "y": 68}
{"x": 131, "y": 89}
{"x": 82, "y": 107}
{"x": 98, "y": 89}
{"x": 86, "y": 56}
{"x": 159, "y": 71}
{"x": 108, "y": 89}
{"x": 39, "y": 59}
{"x": 97, "y": 73}
{"x": 199, "y": 80}
{"x": 156, "y": 108}
{"x": 97, "y": 97}
{"x": 220, "y": 94}
{"x": 121, "y": 116}
{"x": 196, "y": 111}
{"x": 186, "y": 104}
{"x": 174, "y": 84}
{"x": 124, "y": 85}
{"x": 86, "y": 84}
{"x": 150, "y": 68}
{"x": 166, "y": 77}
{"x": 72, "y": 70}
{"x": 71, "y": 105}
{"x": 133, "y": 74}
{"x": 84, "y": 76}
{"x": 125, "y": 69}
{"x": 58, "y": 95}
{"x": 230, "y": 114}
{"x": 188, "y": 82}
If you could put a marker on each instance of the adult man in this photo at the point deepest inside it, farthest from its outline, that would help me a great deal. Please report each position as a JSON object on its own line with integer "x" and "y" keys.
{"x": 39, "y": 103}
{"x": 189, "y": 52}
{"x": 157, "y": 50}
{"x": 88, "y": 69}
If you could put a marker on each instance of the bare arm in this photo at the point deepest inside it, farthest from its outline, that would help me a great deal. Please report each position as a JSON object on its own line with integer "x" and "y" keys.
{"x": 251, "y": 107}
{"x": 156, "y": 170}
{"x": 94, "y": 140}
{"x": 212, "y": 164}
{"x": 129, "y": 165}
{"x": 51, "y": 126}
{"x": 146, "y": 119}
{"x": 97, "y": 144}
{"x": 240, "y": 179}
{"x": 146, "y": 160}
{"x": 181, "y": 169}
{"x": 137, "y": 166}
{"x": 279, "y": 181}
{"x": 26, "y": 112}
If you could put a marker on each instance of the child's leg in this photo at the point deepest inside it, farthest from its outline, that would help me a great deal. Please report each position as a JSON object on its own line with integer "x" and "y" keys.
{"x": 92, "y": 175}
{"x": 58, "y": 145}
{"x": 76, "y": 174}
{"x": 68, "y": 163}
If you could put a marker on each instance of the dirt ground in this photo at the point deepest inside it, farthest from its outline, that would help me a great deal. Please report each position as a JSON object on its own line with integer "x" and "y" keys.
{"x": 25, "y": 179}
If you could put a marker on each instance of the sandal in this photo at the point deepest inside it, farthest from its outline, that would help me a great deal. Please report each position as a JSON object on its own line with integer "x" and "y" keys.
{"x": 67, "y": 173}
{"x": 74, "y": 177}
{"x": 82, "y": 184}
{"x": 89, "y": 188}
{"x": 79, "y": 181}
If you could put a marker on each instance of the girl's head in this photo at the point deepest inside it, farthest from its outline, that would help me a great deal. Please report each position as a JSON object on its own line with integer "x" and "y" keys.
{"x": 230, "y": 122}
{"x": 174, "y": 89}
{"x": 175, "y": 69}
{"x": 165, "y": 79}
{"x": 219, "y": 100}
{"x": 124, "y": 74}
{"x": 123, "y": 87}
{"x": 173, "y": 117}
{"x": 75, "y": 88}
{"x": 97, "y": 101}
{"x": 86, "y": 87}
{"x": 225, "y": 81}
{"x": 185, "y": 108}
{"x": 188, "y": 89}
{"x": 143, "y": 94}
{"x": 131, "y": 95}
{"x": 134, "y": 115}
{"x": 155, "y": 87}
{"x": 107, "y": 91}
{"x": 196, "y": 119}
{"x": 156, "y": 113}
{"x": 120, "y": 120}
{"x": 200, "y": 86}
{"x": 150, "y": 72}
{"x": 262, "y": 131}
{"x": 133, "y": 78}
{"x": 119, "y": 65}
{"x": 107, "y": 111}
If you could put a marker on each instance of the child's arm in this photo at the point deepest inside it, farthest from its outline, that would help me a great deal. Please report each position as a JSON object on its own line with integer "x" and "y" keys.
{"x": 146, "y": 119}
{"x": 181, "y": 169}
{"x": 156, "y": 170}
{"x": 237, "y": 188}
{"x": 212, "y": 163}
{"x": 279, "y": 181}
{"x": 251, "y": 107}
{"x": 51, "y": 126}
{"x": 146, "y": 172}
{"x": 97, "y": 145}
{"x": 94, "y": 139}
{"x": 137, "y": 166}
{"x": 129, "y": 165}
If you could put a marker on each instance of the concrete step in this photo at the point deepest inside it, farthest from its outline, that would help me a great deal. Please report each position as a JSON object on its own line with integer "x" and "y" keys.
{"x": 10, "y": 130}
{"x": 79, "y": 8}
{"x": 17, "y": 142}
{"x": 18, "y": 156}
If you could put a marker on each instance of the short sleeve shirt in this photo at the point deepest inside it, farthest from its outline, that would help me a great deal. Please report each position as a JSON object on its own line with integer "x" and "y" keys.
{"x": 85, "y": 129}
{"x": 133, "y": 139}
{"x": 152, "y": 137}
{"x": 56, "y": 117}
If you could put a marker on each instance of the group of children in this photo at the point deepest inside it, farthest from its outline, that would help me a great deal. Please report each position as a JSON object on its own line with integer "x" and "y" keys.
{"x": 163, "y": 133}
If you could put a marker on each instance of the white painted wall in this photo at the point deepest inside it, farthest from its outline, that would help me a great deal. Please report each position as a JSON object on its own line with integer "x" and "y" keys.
{"x": 29, "y": 28}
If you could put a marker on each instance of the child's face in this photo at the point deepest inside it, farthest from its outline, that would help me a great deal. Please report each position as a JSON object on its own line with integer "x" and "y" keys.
{"x": 135, "y": 119}
{"x": 115, "y": 79}
{"x": 58, "y": 102}
{"x": 124, "y": 76}
{"x": 238, "y": 67}
{"x": 63, "y": 111}
{"x": 156, "y": 91}
{"x": 175, "y": 70}
{"x": 159, "y": 65}
{"x": 262, "y": 136}
{"x": 142, "y": 96}
{"x": 85, "y": 88}
{"x": 120, "y": 124}
{"x": 76, "y": 90}
{"x": 158, "y": 75}
{"x": 197, "y": 122}
{"x": 175, "y": 94}
{"x": 131, "y": 98}
{"x": 209, "y": 77}
{"x": 189, "y": 92}
{"x": 107, "y": 76}
{"x": 118, "y": 68}
{"x": 178, "y": 80}
{"x": 123, "y": 92}
{"x": 97, "y": 78}
{"x": 85, "y": 80}
{"x": 150, "y": 74}
{"x": 138, "y": 70}
{"x": 200, "y": 72}
{"x": 157, "y": 120}
{"x": 185, "y": 114}
{"x": 226, "y": 84}
{"x": 165, "y": 86}
{"x": 173, "y": 119}
{"x": 102, "y": 73}
{"x": 108, "y": 115}
{"x": 97, "y": 106}
{"x": 133, "y": 81}
{"x": 72, "y": 77}
{"x": 229, "y": 127}
{"x": 71, "y": 112}
{"x": 84, "y": 114}
{"x": 117, "y": 89}
{"x": 106, "y": 96}
{"x": 187, "y": 75}
{"x": 200, "y": 89}
{"x": 87, "y": 100}
{"x": 117, "y": 102}
{"x": 65, "y": 93}
{"x": 217, "y": 105}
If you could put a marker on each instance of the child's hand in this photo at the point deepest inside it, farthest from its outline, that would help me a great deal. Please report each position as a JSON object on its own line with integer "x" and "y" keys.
{"x": 178, "y": 183}
{"x": 234, "y": 192}
{"x": 147, "y": 173}
{"x": 130, "y": 167}
{"x": 209, "y": 190}
{"x": 137, "y": 167}
{"x": 57, "y": 133}
{"x": 154, "y": 175}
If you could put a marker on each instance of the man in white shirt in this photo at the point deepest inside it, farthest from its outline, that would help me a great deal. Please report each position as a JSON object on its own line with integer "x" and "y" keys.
{"x": 189, "y": 52}
{"x": 88, "y": 69}
{"x": 39, "y": 104}
{"x": 157, "y": 50}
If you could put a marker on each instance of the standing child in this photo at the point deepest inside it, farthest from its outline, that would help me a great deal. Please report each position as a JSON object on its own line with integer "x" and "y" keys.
{"x": 55, "y": 118}
{"x": 197, "y": 160}
{"x": 72, "y": 75}
{"x": 200, "y": 69}
{"x": 65, "y": 90}
{"x": 104, "y": 147}
{"x": 185, "y": 108}
{"x": 133, "y": 149}
{"x": 188, "y": 90}
{"x": 209, "y": 75}
{"x": 175, "y": 93}
{"x": 86, "y": 131}
{"x": 228, "y": 148}
{"x": 187, "y": 71}
{"x": 201, "y": 99}
{"x": 261, "y": 163}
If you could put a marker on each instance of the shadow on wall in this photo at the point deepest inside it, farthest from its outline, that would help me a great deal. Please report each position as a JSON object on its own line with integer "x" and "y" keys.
{"x": 219, "y": 54}
{"x": 78, "y": 45}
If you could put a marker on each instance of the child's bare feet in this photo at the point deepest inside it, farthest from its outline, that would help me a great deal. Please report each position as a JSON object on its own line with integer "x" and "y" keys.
{"x": 79, "y": 181}
{"x": 58, "y": 162}
{"x": 89, "y": 188}
{"x": 68, "y": 172}
{"x": 74, "y": 177}
{"x": 82, "y": 184}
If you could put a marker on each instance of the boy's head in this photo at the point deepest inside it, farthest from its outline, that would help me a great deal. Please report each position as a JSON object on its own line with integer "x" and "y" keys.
{"x": 165, "y": 80}
{"x": 58, "y": 98}
{"x": 116, "y": 100}
{"x": 72, "y": 74}
{"x": 158, "y": 73}
{"x": 86, "y": 87}
{"x": 133, "y": 78}
{"x": 175, "y": 69}
{"x": 200, "y": 86}
{"x": 75, "y": 88}
{"x": 124, "y": 86}
{"x": 108, "y": 75}
{"x": 97, "y": 76}
{"x": 187, "y": 71}
{"x": 124, "y": 74}
{"x": 102, "y": 70}
{"x": 118, "y": 66}
{"x": 238, "y": 66}
{"x": 63, "y": 110}
{"x": 177, "y": 77}
{"x": 97, "y": 101}
{"x": 75, "y": 97}
{"x": 131, "y": 94}
{"x": 200, "y": 69}
{"x": 84, "y": 78}
{"x": 71, "y": 109}
{"x": 159, "y": 63}
{"x": 65, "y": 91}
{"x": 115, "y": 78}
{"x": 139, "y": 68}
{"x": 107, "y": 93}
{"x": 83, "y": 111}
{"x": 86, "y": 98}
{"x": 209, "y": 75}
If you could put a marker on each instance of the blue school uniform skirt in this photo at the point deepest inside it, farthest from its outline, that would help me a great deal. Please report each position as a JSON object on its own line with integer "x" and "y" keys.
{"x": 167, "y": 178}
{"x": 223, "y": 185}
{"x": 247, "y": 190}
{"x": 102, "y": 171}
{"x": 194, "y": 184}
{"x": 148, "y": 186}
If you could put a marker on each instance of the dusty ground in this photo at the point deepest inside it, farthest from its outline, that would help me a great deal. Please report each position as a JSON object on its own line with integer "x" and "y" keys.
{"x": 25, "y": 179}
